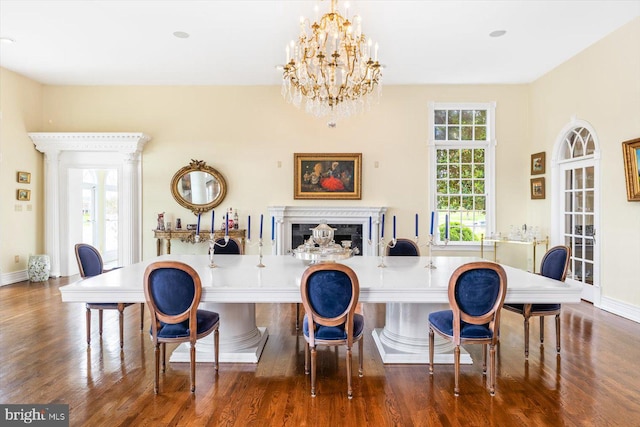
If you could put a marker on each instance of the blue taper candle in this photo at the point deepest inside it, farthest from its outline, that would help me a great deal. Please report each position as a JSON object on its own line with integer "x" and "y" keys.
{"x": 394, "y": 226}
{"x": 273, "y": 228}
{"x": 432, "y": 217}
{"x": 249, "y": 227}
{"x": 416, "y": 225}
{"x": 198, "y": 226}
{"x": 261, "y": 218}
{"x": 382, "y": 227}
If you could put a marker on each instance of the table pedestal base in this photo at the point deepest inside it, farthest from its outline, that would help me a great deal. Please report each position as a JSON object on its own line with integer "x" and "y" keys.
{"x": 241, "y": 341}
{"x": 405, "y": 336}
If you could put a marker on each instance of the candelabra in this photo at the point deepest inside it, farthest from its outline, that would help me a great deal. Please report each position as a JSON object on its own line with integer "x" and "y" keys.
{"x": 383, "y": 249}
{"x": 260, "y": 244}
{"x": 212, "y": 247}
{"x": 430, "y": 244}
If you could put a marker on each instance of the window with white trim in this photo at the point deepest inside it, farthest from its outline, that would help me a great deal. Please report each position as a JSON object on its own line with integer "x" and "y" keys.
{"x": 462, "y": 170}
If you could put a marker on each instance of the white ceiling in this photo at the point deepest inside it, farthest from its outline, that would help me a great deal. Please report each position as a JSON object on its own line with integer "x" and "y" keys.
{"x": 131, "y": 42}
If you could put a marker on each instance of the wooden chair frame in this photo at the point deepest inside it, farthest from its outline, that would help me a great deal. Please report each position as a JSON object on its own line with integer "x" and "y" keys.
{"x": 346, "y": 318}
{"x": 190, "y": 314}
{"x": 527, "y": 309}
{"x": 492, "y": 317}
{"x": 103, "y": 306}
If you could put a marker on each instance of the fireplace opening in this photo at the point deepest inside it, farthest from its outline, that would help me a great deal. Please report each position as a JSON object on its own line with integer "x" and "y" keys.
{"x": 301, "y": 232}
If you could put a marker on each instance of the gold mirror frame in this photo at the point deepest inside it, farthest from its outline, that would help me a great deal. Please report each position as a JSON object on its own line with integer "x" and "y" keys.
{"x": 177, "y": 183}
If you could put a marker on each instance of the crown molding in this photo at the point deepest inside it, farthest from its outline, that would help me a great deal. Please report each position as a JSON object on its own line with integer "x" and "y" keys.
{"x": 121, "y": 142}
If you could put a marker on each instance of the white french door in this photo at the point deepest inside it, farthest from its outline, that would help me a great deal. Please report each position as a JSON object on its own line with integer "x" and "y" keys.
{"x": 578, "y": 186}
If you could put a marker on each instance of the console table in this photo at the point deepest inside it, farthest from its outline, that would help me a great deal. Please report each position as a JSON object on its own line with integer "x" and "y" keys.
{"x": 495, "y": 242}
{"x": 188, "y": 236}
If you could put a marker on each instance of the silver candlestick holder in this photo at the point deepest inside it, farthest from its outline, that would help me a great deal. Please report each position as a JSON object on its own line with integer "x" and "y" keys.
{"x": 430, "y": 244}
{"x": 260, "y": 245}
{"x": 382, "y": 247}
{"x": 212, "y": 247}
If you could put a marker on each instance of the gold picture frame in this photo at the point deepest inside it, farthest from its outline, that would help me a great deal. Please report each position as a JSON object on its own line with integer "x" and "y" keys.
{"x": 538, "y": 163}
{"x": 23, "y": 194}
{"x": 537, "y": 188}
{"x": 631, "y": 155}
{"x": 23, "y": 177}
{"x": 327, "y": 176}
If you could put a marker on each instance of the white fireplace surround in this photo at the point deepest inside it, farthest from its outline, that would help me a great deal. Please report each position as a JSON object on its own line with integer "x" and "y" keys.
{"x": 286, "y": 216}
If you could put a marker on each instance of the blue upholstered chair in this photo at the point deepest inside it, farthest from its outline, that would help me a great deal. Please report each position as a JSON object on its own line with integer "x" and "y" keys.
{"x": 233, "y": 247}
{"x": 330, "y": 293}
{"x": 476, "y": 295}
{"x": 90, "y": 264}
{"x": 172, "y": 290}
{"x": 555, "y": 265}
{"x": 403, "y": 247}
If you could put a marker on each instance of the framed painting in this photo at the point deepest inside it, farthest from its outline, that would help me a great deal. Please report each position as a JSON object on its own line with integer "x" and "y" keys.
{"x": 23, "y": 195}
{"x": 631, "y": 154}
{"x": 24, "y": 177}
{"x": 538, "y": 163}
{"x": 327, "y": 176}
{"x": 537, "y": 188}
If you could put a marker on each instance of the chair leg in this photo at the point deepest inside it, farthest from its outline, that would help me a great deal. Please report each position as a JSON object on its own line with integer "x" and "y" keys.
{"x": 361, "y": 356}
{"x": 157, "y": 366}
{"x": 141, "y": 316}
{"x": 164, "y": 357}
{"x": 88, "y": 322}
{"x": 297, "y": 316}
{"x": 313, "y": 372}
{"x": 541, "y": 329}
{"x": 456, "y": 369}
{"x": 192, "y": 364}
{"x": 349, "y": 386}
{"x": 526, "y": 337}
{"x": 484, "y": 359}
{"x": 431, "y": 341}
{"x": 216, "y": 346}
{"x": 492, "y": 368}
{"x": 558, "y": 333}
{"x": 100, "y": 322}
{"x": 121, "y": 323}
{"x": 306, "y": 358}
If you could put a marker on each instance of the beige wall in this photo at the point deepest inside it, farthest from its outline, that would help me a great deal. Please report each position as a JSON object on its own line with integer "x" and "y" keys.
{"x": 21, "y": 230}
{"x": 601, "y": 85}
{"x": 247, "y": 132}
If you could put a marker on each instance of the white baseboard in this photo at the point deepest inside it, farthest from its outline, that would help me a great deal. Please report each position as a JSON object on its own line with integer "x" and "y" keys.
{"x": 13, "y": 277}
{"x": 628, "y": 311}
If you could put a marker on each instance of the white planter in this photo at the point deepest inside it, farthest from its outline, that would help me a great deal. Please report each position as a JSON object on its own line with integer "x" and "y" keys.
{"x": 39, "y": 268}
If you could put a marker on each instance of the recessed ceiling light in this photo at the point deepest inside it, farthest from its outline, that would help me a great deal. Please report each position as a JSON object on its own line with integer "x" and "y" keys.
{"x": 181, "y": 35}
{"x": 6, "y": 40}
{"x": 497, "y": 33}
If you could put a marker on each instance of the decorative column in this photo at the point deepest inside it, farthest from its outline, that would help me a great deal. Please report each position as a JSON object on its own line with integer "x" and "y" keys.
{"x": 80, "y": 150}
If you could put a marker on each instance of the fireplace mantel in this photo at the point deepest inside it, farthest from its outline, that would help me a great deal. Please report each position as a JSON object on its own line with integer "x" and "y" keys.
{"x": 285, "y": 216}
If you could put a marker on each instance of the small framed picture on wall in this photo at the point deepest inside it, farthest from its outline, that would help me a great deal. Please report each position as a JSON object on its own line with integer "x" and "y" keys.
{"x": 537, "y": 163}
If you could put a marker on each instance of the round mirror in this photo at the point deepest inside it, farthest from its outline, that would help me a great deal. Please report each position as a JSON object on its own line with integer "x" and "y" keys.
{"x": 198, "y": 187}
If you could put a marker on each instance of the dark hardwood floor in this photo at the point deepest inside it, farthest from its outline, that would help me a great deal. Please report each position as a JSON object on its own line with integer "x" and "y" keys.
{"x": 44, "y": 359}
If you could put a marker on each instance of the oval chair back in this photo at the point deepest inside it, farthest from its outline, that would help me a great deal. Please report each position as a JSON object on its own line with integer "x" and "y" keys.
{"x": 89, "y": 260}
{"x": 233, "y": 247}
{"x": 403, "y": 247}
{"x": 330, "y": 293}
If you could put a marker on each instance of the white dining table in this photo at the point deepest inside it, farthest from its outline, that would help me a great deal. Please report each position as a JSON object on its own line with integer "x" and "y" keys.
{"x": 409, "y": 289}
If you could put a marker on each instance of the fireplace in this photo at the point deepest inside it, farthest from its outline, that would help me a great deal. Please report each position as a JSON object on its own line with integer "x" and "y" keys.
{"x": 352, "y": 223}
{"x": 301, "y": 232}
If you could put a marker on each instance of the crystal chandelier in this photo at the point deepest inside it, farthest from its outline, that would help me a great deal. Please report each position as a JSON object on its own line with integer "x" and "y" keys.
{"x": 333, "y": 67}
